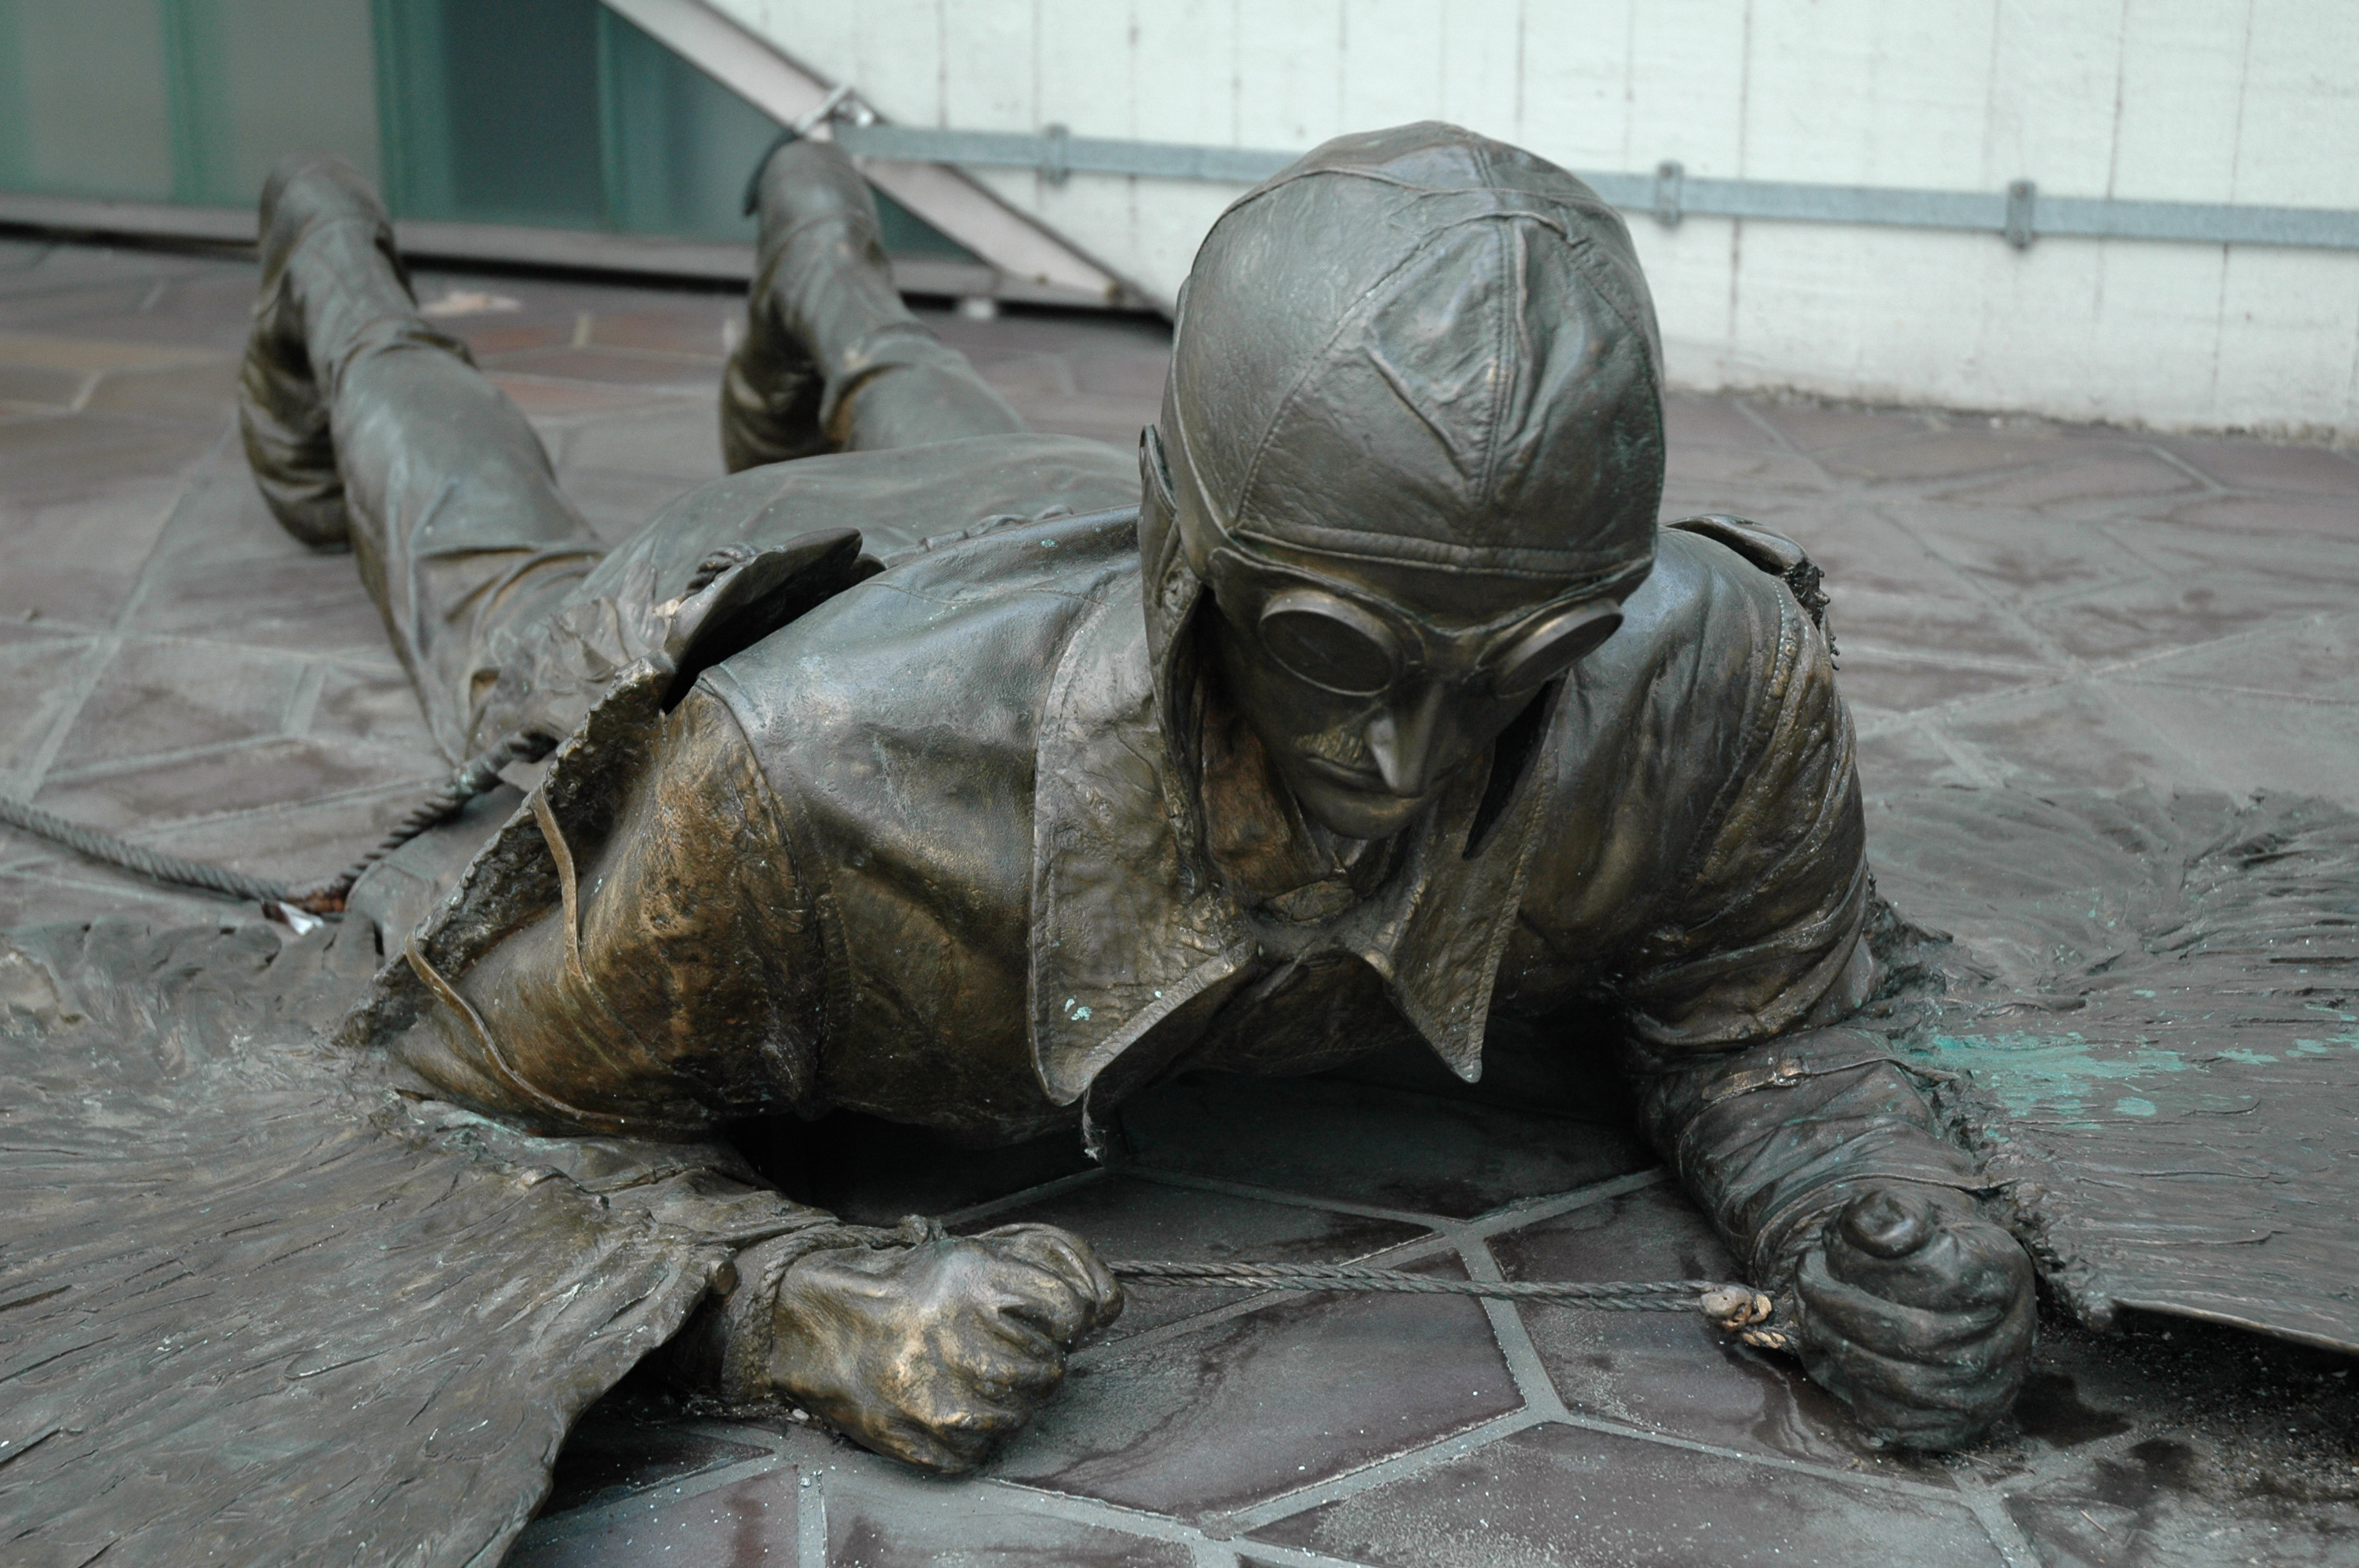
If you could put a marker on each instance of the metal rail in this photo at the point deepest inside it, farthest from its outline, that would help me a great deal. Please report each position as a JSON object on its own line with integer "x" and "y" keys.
{"x": 2020, "y": 213}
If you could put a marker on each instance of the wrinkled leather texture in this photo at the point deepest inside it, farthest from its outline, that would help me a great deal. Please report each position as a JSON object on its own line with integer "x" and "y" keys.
{"x": 919, "y": 798}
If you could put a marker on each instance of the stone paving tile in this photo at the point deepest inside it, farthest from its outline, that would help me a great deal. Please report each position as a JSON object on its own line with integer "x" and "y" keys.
{"x": 543, "y": 400}
{"x": 371, "y": 705}
{"x": 1941, "y": 454}
{"x": 1561, "y": 1495}
{"x": 2079, "y": 732}
{"x": 1877, "y": 680}
{"x": 2098, "y": 480}
{"x": 2250, "y": 743}
{"x": 285, "y": 775}
{"x": 2250, "y": 516}
{"x": 1734, "y": 478}
{"x": 751, "y": 1523}
{"x": 2140, "y": 620}
{"x": 1126, "y": 1215}
{"x": 1671, "y": 1373}
{"x": 2316, "y": 657}
{"x": 41, "y": 677}
{"x": 68, "y": 457}
{"x": 173, "y": 697}
{"x": 701, "y": 330}
{"x": 2258, "y": 465}
{"x": 205, "y": 389}
{"x": 2025, "y": 559}
{"x": 1821, "y": 428}
{"x": 675, "y": 438}
{"x": 1907, "y": 755}
{"x": 75, "y": 894}
{"x": 669, "y": 373}
{"x": 863, "y": 1532}
{"x": 612, "y": 1461}
{"x": 2174, "y": 548}
{"x": 1207, "y": 1416}
{"x": 1694, "y": 419}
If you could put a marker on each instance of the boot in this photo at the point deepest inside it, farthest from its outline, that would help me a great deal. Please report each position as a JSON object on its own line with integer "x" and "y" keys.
{"x": 331, "y": 281}
{"x": 824, "y": 319}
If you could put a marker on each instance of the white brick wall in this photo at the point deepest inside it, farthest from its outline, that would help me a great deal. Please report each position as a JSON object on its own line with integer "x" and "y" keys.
{"x": 2253, "y": 101}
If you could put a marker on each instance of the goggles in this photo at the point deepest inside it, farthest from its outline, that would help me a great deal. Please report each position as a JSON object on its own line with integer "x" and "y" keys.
{"x": 1343, "y": 640}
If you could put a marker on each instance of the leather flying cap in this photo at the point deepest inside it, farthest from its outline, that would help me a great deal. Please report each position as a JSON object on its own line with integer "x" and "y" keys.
{"x": 1422, "y": 345}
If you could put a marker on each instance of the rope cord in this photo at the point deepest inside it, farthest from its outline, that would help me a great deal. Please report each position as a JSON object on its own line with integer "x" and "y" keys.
{"x": 153, "y": 864}
{"x": 1736, "y": 1309}
{"x": 476, "y": 777}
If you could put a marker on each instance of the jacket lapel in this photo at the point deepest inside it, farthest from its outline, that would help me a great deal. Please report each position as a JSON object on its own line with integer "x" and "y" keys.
{"x": 1131, "y": 924}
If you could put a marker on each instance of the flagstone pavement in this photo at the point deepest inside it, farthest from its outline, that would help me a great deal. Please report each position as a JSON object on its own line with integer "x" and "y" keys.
{"x": 2015, "y": 601}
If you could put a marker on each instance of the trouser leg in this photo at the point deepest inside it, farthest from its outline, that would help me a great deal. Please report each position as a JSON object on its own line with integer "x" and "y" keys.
{"x": 832, "y": 360}
{"x": 365, "y": 422}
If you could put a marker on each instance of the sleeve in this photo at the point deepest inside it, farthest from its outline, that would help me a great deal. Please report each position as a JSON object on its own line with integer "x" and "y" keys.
{"x": 675, "y": 981}
{"x": 1760, "y": 933}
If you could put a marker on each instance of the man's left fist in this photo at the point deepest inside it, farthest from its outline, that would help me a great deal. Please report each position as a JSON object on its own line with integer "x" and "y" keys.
{"x": 1918, "y": 1314}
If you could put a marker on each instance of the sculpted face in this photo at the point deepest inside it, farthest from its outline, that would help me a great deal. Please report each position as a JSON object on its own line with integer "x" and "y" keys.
{"x": 1372, "y": 684}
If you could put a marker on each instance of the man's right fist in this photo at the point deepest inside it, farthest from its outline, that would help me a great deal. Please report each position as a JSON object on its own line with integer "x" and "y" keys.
{"x": 933, "y": 1353}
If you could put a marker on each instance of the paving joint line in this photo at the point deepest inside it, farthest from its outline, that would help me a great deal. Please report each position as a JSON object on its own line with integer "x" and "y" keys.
{"x": 1378, "y": 1472}
{"x": 1513, "y": 1337}
{"x": 575, "y": 1521}
{"x": 1869, "y": 1478}
{"x": 2005, "y": 1536}
{"x": 1522, "y": 1212}
{"x": 1292, "y": 1200}
{"x": 44, "y": 753}
{"x": 1044, "y": 1190}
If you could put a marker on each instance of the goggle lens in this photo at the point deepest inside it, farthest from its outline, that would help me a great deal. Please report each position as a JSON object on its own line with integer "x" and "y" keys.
{"x": 1329, "y": 643}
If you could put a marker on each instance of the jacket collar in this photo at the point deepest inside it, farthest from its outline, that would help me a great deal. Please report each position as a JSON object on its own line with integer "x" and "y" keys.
{"x": 1135, "y": 931}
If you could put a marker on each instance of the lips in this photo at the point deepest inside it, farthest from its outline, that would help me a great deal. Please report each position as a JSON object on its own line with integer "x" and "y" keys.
{"x": 1360, "y": 781}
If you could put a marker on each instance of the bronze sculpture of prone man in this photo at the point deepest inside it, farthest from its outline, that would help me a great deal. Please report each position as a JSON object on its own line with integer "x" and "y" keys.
{"x": 980, "y": 779}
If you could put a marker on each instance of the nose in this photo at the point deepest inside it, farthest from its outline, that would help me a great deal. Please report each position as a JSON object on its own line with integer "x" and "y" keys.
{"x": 1404, "y": 738}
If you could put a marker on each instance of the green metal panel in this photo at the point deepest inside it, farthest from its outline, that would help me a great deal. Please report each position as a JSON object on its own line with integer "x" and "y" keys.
{"x": 489, "y": 109}
{"x": 15, "y": 156}
{"x": 554, "y": 112}
{"x": 251, "y": 80}
{"x": 86, "y": 112}
{"x": 413, "y": 113}
{"x": 678, "y": 145}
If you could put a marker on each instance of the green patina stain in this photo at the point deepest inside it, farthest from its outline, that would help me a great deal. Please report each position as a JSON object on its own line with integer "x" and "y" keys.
{"x": 2250, "y": 1058}
{"x": 2047, "y": 1072}
{"x": 2312, "y": 1048}
{"x": 2130, "y": 1105}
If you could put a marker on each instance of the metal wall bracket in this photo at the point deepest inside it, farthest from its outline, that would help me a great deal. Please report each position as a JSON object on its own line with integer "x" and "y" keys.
{"x": 2021, "y": 197}
{"x": 1670, "y": 191}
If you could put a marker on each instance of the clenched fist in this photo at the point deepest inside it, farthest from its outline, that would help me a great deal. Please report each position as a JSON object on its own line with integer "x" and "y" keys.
{"x": 1918, "y": 1314}
{"x": 933, "y": 1353}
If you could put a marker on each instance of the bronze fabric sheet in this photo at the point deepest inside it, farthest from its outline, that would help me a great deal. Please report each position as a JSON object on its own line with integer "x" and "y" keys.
{"x": 2161, "y": 1051}
{"x": 251, "y": 1309}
